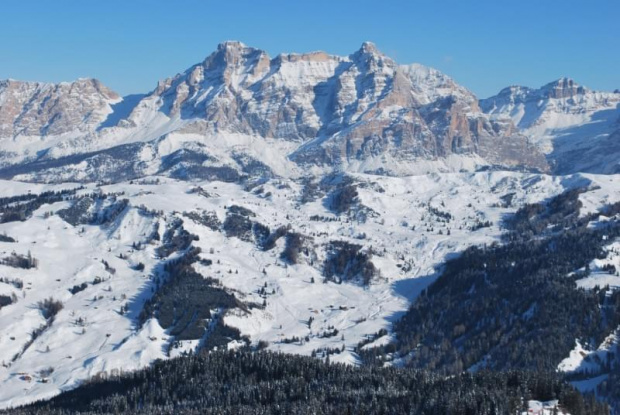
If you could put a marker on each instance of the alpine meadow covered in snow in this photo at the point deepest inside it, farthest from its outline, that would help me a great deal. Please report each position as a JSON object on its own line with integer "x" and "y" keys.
{"x": 309, "y": 233}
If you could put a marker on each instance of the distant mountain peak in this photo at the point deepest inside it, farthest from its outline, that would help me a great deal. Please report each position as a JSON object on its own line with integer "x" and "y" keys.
{"x": 40, "y": 109}
{"x": 565, "y": 120}
{"x": 370, "y": 48}
{"x": 562, "y": 88}
{"x": 231, "y": 53}
{"x": 231, "y": 44}
{"x": 369, "y": 51}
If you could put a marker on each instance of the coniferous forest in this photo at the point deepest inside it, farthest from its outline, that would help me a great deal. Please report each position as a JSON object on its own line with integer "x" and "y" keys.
{"x": 245, "y": 382}
{"x": 515, "y": 305}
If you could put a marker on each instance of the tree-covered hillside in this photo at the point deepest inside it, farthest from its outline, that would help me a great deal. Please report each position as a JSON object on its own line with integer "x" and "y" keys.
{"x": 244, "y": 382}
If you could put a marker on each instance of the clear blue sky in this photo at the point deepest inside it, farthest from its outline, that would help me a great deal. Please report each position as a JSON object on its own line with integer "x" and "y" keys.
{"x": 485, "y": 45}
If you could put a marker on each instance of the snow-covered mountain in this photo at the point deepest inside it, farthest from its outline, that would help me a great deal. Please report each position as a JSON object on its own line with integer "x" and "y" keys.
{"x": 359, "y": 113}
{"x": 299, "y": 203}
{"x": 36, "y": 119}
{"x": 577, "y": 128}
{"x": 33, "y": 109}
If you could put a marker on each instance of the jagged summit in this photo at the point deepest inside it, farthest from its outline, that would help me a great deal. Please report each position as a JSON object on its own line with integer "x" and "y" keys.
{"x": 560, "y": 88}
{"x": 231, "y": 44}
{"x": 369, "y": 48}
{"x": 34, "y": 109}
{"x": 361, "y": 112}
{"x": 563, "y": 88}
{"x": 230, "y": 52}
{"x": 574, "y": 125}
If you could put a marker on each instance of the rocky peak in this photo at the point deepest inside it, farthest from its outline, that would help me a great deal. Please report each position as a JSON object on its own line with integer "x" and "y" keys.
{"x": 369, "y": 54}
{"x": 563, "y": 96}
{"x": 369, "y": 48}
{"x": 42, "y": 109}
{"x": 234, "y": 57}
{"x": 230, "y": 54}
{"x": 515, "y": 91}
{"x": 562, "y": 88}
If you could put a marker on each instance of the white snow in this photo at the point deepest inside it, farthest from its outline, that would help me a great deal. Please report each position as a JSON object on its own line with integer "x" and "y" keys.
{"x": 544, "y": 408}
{"x": 402, "y": 231}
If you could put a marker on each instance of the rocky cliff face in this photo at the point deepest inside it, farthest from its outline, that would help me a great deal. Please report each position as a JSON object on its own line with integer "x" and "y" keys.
{"x": 576, "y": 127}
{"x": 361, "y": 112}
{"x": 559, "y": 103}
{"x": 339, "y": 108}
{"x": 41, "y": 109}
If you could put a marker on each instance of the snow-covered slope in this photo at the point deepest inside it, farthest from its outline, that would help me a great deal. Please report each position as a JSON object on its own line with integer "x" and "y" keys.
{"x": 578, "y": 129}
{"x": 412, "y": 225}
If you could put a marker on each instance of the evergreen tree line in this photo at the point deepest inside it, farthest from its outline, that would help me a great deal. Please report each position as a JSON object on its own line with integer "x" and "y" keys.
{"x": 244, "y": 382}
{"x": 21, "y": 207}
{"x": 517, "y": 305}
{"x": 79, "y": 213}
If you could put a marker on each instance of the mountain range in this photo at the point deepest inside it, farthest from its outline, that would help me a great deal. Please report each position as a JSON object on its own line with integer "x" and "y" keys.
{"x": 359, "y": 113}
{"x": 347, "y": 208}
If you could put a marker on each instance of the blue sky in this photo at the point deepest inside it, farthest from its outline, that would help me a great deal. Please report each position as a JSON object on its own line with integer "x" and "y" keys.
{"x": 484, "y": 45}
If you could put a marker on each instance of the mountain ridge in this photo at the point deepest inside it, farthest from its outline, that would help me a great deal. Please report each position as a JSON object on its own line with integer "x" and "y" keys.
{"x": 574, "y": 126}
{"x": 362, "y": 112}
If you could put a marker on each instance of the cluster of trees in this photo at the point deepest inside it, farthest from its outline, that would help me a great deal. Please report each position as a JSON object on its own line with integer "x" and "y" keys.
{"x": 371, "y": 338}
{"x": 342, "y": 198}
{"x": 238, "y": 226}
{"x": 21, "y": 207}
{"x": 78, "y": 287}
{"x": 186, "y": 164}
{"x": 176, "y": 238}
{"x": 292, "y": 247}
{"x": 240, "y": 210}
{"x": 184, "y": 302}
{"x": 241, "y": 382}
{"x": 559, "y": 213}
{"x": 15, "y": 282}
{"x": 321, "y": 218}
{"x": 325, "y": 352}
{"x": 110, "y": 213}
{"x": 330, "y": 332}
{"x": 266, "y": 239}
{"x": 6, "y": 238}
{"x": 346, "y": 261}
{"x": 310, "y": 192}
{"x": 16, "y": 260}
{"x": 513, "y": 306}
{"x": 50, "y": 307}
{"x": 205, "y": 218}
{"x": 446, "y": 216}
{"x": 90, "y": 209}
{"x": 7, "y": 300}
